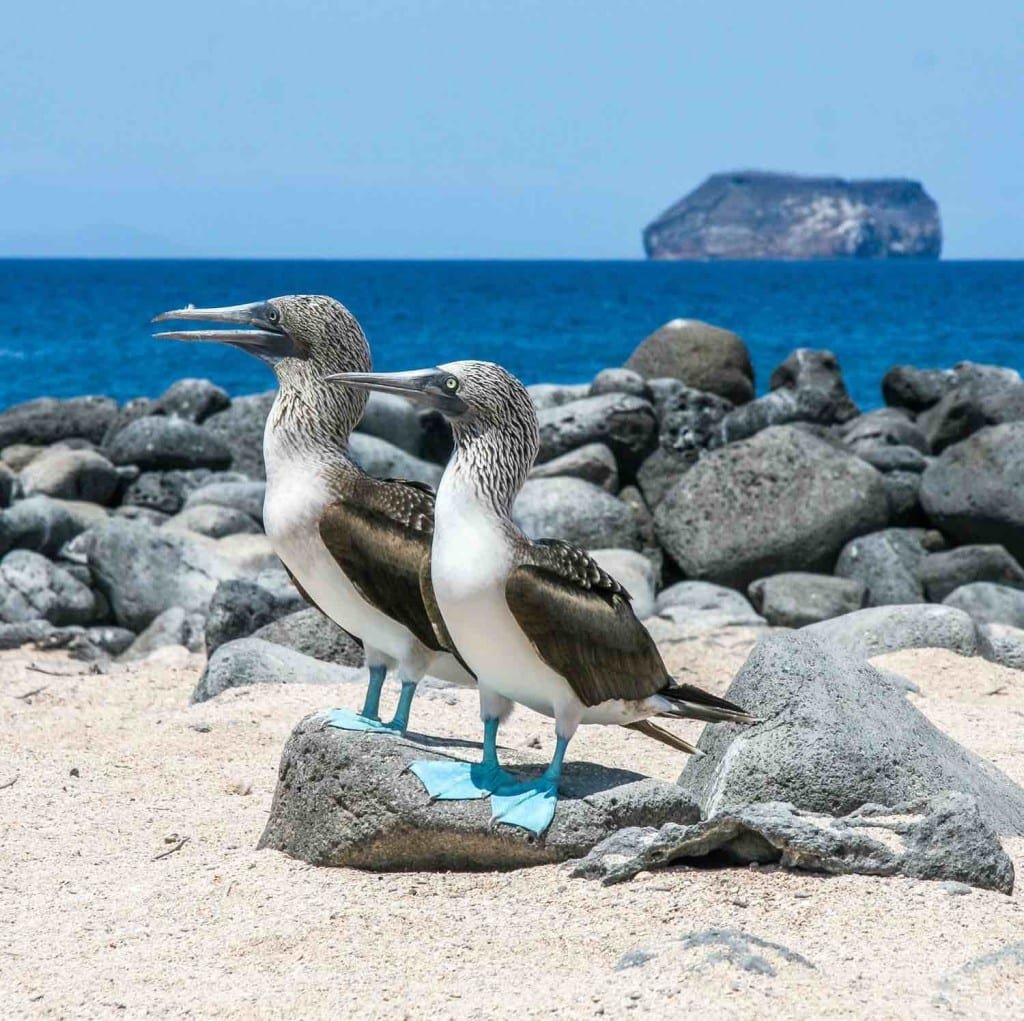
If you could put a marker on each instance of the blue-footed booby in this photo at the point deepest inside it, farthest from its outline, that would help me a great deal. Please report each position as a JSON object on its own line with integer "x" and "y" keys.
{"x": 538, "y": 622}
{"x": 352, "y": 544}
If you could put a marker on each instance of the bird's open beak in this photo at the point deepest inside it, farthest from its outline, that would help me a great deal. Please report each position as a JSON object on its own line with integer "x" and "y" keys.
{"x": 426, "y": 387}
{"x": 265, "y": 339}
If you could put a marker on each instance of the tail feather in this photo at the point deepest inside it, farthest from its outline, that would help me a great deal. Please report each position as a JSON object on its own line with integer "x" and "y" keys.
{"x": 649, "y": 729}
{"x": 695, "y": 703}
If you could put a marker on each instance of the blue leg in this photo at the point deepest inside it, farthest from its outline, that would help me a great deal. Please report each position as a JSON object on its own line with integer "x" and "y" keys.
{"x": 369, "y": 718}
{"x": 465, "y": 781}
{"x": 531, "y": 805}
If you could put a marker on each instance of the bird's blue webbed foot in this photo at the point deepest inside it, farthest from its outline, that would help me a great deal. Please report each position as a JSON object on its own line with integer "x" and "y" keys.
{"x": 465, "y": 781}
{"x": 369, "y": 719}
{"x": 461, "y": 781}
{"x": 348, "y": 719}
{"x": 530, "y": 805}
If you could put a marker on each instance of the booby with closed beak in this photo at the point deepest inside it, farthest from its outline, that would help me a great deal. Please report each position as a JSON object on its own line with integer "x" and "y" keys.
{"x": 538, "y": 622}
{"x": 353, "y": 544}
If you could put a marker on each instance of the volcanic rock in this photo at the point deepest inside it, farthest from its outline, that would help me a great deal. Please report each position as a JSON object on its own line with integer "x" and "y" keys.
{"x": 702, "y": 356}
{"x": 348, "y": 799}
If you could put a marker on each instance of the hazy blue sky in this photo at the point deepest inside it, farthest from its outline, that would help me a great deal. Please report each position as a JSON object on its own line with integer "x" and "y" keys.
{"x": 531, "y": 129}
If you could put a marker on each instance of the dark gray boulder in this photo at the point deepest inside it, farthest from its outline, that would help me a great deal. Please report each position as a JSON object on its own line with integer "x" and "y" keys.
{"x": 781, "y": 501}
{"x": 214, "y": 521}
{"x": 245, "y": 497}
{"x": 886, "y": 427}
{"x": 593, "y": 463}
{"x": 893, "y": 459}
{"x": 240, "y": 428}
{"x": 313, "y": 634}
{"x": 192, "y": 399}
{"x": 903, "y": 498}
{"x": 1002, "y": 644}
{"x": 167, "y": 491}
{"x": 43, "y": 524}
{"x": 690, "y": 423}
{"x": 553, "y": 395}
{"x": 159, "y": 443}
{"x": 248, "y": 661}
{"x": 904, "y": 386}
{"x": 974, "y": 491}
{"x": 33, "y": 588}
{"x": 704, "y": 596}
{"x": 619, "y": 381}
{"x": 343, "y": 799}
{"x": 798, "y": 598}
{"x": 238, "y": 608}
{"x": 690, "y": 609}
{"x": 174, "y": 626}
{"x": 26, "y": 632}
{"x": 137, "y": 407}
{"x": 144, "y": 570}
{"x": 384, "y": 460}
{"x": 626, "y": 425}
{"x": 71, "y": 475}
{"x": 887, "y": 561}
{"x": 576, "y": 511}
{"x": 983, "y": 395}
{"x": 879, "y": 629}
{"x": 941, "y": 573}
{"x": 46, "y": 420}
{"x": 836, "y": 735}
{"x": 942, "y": 837}
{"x": 807, "y": 387}
{"x": 988, "y": 603}
{"x": 702, "y": 356}
{"x": 810, "y": 369}
{"x": 392, "y": 418}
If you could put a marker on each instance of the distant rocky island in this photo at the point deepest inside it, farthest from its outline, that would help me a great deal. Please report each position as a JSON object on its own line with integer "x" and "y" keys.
{"x": 761, "y": 215}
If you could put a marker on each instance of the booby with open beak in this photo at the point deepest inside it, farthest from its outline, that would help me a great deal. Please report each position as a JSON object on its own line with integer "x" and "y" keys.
{"x": 352, "y": 544}
{"x": 539, "y": 623}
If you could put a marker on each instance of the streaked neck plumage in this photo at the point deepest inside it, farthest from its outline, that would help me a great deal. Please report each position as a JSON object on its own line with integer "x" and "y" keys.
{"x": 312, "y": 419}
{"x": 492, "y": 458}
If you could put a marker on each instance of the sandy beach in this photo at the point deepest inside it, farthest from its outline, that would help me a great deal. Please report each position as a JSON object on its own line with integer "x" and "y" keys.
{"x": 106, "y": 913}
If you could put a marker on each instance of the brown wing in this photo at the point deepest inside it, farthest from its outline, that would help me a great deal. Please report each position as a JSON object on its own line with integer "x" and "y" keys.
{"x": 579, "y": 620}
{"x": 379, "y": 532}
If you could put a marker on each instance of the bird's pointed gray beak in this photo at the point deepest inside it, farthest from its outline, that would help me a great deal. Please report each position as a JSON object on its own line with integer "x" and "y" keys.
{"x": 427, "y": 387}
{"x": 265, "y": 338}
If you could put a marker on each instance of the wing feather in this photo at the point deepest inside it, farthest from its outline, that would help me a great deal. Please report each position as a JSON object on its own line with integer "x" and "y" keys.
{"x": 579, "y": 620}
{"x": 379, "y": 533}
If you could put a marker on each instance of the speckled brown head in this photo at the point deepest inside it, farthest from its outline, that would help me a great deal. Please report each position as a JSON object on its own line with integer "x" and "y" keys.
{"x": 493, "y": 420}
{"x": 303, "y": 338}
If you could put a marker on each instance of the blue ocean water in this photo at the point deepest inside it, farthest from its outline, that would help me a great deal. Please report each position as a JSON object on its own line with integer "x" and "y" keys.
{"x": 80, "y": 326}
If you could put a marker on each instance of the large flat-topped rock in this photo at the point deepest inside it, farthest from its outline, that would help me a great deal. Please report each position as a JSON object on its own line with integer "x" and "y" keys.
{"x": 347, "y": 798}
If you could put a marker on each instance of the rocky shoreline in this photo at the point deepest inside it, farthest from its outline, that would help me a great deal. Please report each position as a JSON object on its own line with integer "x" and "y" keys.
{"x": 127, "y": 527}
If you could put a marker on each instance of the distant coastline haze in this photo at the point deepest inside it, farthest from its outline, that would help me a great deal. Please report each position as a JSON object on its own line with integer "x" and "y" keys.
{"x": 395, "y": 129}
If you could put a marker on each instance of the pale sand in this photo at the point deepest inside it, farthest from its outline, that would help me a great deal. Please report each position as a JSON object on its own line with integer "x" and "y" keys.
{"x": 91, "y": 926}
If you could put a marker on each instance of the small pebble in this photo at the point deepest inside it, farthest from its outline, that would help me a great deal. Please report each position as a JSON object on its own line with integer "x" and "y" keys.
{"x": 200, "y": 728}
{"x": 740, "y": 903}
{"x": 74, "y": 771}
{"x": 239, "y": 786}
{"x": 955, "y": 889}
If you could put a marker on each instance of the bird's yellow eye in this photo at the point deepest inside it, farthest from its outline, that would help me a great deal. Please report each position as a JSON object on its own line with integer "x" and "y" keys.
{"x": 273, "y": 315}
{"x": 451, "y": 384}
